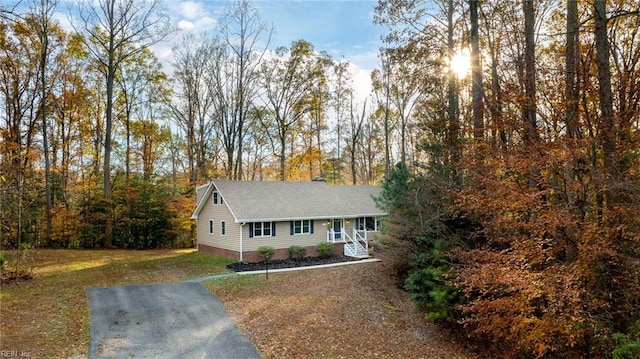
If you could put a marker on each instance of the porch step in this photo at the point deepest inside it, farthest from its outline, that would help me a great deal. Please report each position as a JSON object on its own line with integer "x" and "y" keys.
{"x": 354, "y": 250}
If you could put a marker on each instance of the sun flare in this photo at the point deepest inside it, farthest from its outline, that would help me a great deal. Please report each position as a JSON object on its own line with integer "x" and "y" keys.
{"x": 460, "y": 63}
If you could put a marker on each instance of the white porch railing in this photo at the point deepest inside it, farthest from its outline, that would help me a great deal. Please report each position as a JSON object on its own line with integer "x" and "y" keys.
{"x": 356, "y": 245}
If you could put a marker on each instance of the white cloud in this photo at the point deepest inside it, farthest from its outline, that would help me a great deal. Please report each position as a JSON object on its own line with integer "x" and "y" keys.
{"x": 366, "y": 60}
{"x": 192, "y": 16}
{"x": 190, "y": 9}
{"x": 185, "y": 25}
{"x": 361, "y": 82}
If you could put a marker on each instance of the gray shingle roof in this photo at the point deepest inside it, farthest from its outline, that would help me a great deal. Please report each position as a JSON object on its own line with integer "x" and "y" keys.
{"x": 252, "y": 201}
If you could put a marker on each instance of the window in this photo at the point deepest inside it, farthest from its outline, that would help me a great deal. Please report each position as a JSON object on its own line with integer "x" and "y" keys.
{"x": 211, "y": 226}
{"x": 223, "y": 228}
{"x": 302, "y": 227}
{"x": 215, "y": 197}
{"x": 368, "y": 223}
{"x": 262, "y": 229}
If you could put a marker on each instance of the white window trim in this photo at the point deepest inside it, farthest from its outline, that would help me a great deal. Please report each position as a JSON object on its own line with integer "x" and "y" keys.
{"x": 363, "y": 220}
{"x": 262, "y": 230}
{"x": 223, "y": 228}
{"x": 211, "y": 226}
{"x": 302, "y": 232}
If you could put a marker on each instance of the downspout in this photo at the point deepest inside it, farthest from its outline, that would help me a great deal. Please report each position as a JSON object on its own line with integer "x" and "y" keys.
{"x": 241, "y": 225}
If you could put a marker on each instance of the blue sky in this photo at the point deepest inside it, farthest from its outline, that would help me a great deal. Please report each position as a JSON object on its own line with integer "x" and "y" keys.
{"x": 343, "y": 28}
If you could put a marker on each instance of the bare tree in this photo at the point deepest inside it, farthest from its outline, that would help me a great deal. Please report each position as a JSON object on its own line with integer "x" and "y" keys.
{"x": 247, "y": 39}
{"x": 354, "y": 138}
{"x": 115, "y": 30}
{"x": 342, "y": 92}
{"x": 192, "y": 105}
{"x": 43, "y": 11}
{"x": 405, "y": 93}
{"x": 287, "y": 83}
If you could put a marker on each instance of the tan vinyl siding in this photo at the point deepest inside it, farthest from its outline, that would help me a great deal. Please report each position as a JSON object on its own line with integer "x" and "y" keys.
{"x": 218, "y": 213}
{"x": 283, "y": 238}
{"x": 200, "y": 191}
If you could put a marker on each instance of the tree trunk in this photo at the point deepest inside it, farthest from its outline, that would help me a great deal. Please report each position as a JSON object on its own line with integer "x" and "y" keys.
{"x": 495, "y": 103}
{"x": 283, "y": 149}
{"x": 387, "y": 163}
{"x": 44, "y": 54}
{"x": 571, "y": 66}
{"x": 529, "y": 108}
{"x": 476, "y": 74}
{"x": 607, "y": 132}
{"x": 127, "y": 123}
{"x": 453, "y": 108}
{"x": 108, "y": 200}
{"x": 111, "y": 71}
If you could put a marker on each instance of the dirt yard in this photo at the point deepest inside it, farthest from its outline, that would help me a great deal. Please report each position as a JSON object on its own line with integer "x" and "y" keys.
{"x": 353, "y": 311}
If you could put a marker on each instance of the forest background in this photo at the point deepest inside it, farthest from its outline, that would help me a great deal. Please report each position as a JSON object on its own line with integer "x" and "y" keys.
{"x": 512, "y": 183}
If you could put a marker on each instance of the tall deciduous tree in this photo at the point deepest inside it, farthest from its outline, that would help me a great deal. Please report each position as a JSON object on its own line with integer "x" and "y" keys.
{"x": 136, "y": 75}
{"x": 19, "y": 72}
{"x": 607, "y": 128}
{"x": 571, "y": 68}
{"x": 476, "y": 73}
{"x": 341, "y": 94}
{"x": 354, "y": 141}
{"x": 529, "y": 106}
{"x": 406, "y": 93}
{"x": 192, "y": 105}
{"x": 288, "y": 79}
{"x": 43, "y": 11}
{"x": 453, "y": 101}
{"x": 247, "y": 38}
{"x": 114, "y": 31}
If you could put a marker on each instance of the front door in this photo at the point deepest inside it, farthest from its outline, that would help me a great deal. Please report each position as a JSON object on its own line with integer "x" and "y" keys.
{"x": 337, "y": 228}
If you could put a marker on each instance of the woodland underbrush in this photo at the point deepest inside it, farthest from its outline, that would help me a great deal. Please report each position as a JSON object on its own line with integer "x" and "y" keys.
{"x": 516, "y": 270}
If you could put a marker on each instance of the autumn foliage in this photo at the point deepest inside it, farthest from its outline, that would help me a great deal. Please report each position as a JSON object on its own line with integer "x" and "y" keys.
{"x": 522, "y": 230}
{"x": 556, "y": 274}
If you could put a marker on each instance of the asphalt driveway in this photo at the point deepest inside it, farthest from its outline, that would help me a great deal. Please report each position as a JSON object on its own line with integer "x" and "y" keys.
{"x": 181, "y": 320}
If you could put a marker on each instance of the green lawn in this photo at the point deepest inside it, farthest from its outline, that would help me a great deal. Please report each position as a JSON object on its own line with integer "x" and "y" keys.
{"x": 48, "y": 316}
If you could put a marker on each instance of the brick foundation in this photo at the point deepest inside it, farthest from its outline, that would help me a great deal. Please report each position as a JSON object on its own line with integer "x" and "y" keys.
{"x": 253, "y": 256}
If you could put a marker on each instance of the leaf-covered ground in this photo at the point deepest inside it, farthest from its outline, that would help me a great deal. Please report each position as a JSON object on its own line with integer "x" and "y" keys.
{"x": 353, "y": 311}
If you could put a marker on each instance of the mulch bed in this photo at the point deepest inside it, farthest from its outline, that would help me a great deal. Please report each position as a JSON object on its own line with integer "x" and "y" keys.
{"x": 288, "y": 263}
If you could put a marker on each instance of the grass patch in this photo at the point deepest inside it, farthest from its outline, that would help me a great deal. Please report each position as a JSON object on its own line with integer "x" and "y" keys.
{"x": 48, "y": 316}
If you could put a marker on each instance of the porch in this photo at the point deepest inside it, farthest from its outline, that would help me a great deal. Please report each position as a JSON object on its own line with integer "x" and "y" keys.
{"x": 356, "y": 243}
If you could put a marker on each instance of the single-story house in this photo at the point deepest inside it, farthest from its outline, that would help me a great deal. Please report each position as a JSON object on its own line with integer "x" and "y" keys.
{"x": 234, "y": 218}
